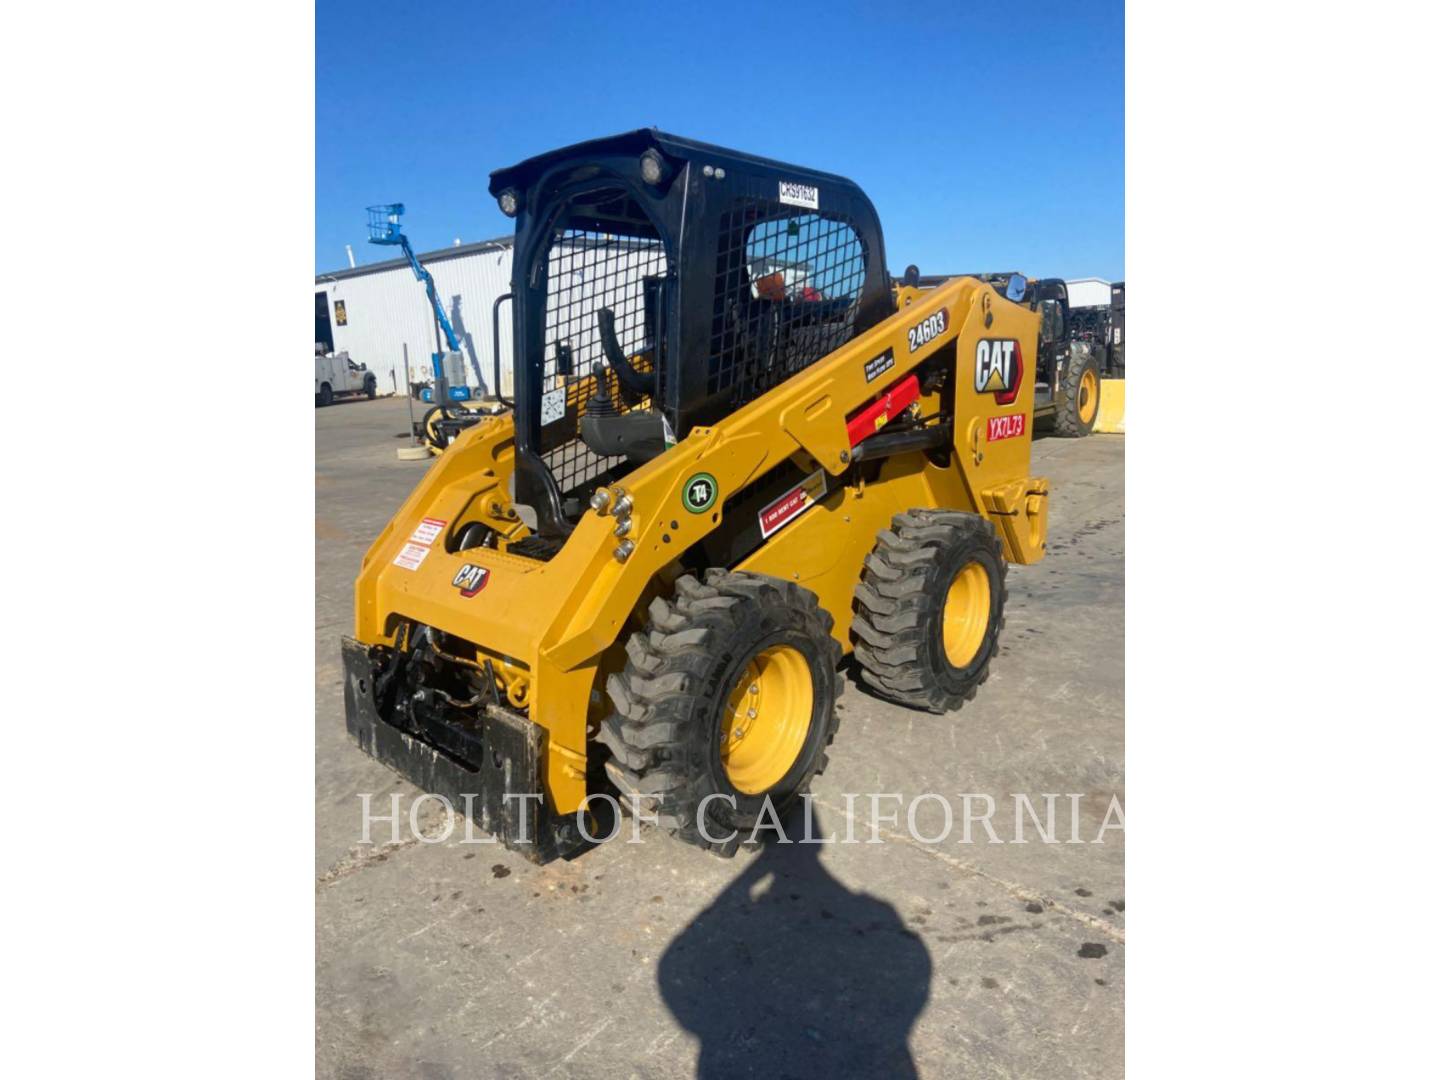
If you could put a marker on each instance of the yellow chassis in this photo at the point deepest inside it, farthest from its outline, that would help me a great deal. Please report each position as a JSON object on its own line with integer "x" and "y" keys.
{"x": 552, "y": 627}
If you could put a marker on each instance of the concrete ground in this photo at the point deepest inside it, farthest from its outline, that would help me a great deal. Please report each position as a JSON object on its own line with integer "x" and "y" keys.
{"x": 652, "y": 959}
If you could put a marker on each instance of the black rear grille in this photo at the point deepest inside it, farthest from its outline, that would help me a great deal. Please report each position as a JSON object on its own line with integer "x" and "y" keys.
{"x": 787, "y": 289}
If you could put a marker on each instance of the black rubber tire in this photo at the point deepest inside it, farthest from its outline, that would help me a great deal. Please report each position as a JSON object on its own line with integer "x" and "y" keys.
{"x": 327, "y": 395}
{"x": 1067, "y": 405}
{"x": 669, "y": 700}
{"x": 433, "y": 413}
{"x": 370, "y": 389}
{"x": 900, "y": 605}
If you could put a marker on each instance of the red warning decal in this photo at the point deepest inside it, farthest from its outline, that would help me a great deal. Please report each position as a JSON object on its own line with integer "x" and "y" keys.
{"x": 792, "y": 504}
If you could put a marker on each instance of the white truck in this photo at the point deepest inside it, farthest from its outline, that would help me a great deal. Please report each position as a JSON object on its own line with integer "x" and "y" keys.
{"x": 336, "y": 375}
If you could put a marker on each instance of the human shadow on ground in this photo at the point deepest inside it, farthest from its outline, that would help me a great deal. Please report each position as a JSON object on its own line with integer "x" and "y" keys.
{"x": 789, "y": 974}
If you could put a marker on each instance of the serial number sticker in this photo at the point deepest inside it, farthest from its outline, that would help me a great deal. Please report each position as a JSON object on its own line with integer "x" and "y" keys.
{"x": 879, "y": 365}
{"x": 792, "y": 504}
{"x": 793, "y": 194}
{"x": 426, "y": 532}
{"x": 552, "y": 406}
{"x": 1004, "y": 427}
{"x": 927, "y": 331}
{"x": 411, "y": 556}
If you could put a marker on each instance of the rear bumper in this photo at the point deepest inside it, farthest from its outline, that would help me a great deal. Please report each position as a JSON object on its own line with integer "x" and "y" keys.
{"x": 489, "y": 770}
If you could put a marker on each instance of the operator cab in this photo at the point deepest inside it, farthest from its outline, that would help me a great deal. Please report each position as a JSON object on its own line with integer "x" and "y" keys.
{"x": 658, "y": 285}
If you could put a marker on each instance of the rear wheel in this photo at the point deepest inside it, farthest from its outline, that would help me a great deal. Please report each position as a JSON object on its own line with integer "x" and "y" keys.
{"x": 1078, "y": 403}
{"x": 929, "y": 608}
{"x": 326, "y": 394}
{"x": 727, "y": 699}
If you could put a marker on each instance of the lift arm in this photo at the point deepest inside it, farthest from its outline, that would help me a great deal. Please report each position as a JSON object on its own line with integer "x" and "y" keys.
{"x": 424, "y": 275}
{"x": 385, "y": 229}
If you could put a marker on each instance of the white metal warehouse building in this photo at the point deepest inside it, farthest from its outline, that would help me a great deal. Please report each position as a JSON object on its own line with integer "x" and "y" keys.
{"x": 1088, "y": 292}
{"x": 375, "y": 312}
{"x": 385, "y": 311}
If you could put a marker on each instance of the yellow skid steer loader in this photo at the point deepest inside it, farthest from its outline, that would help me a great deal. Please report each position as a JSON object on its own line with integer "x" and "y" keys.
{"x": 737, "y": 451}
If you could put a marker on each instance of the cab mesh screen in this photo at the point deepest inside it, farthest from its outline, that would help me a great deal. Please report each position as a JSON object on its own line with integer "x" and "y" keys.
{"x": 585, "y": 272}
{"x": 787, "y": 289}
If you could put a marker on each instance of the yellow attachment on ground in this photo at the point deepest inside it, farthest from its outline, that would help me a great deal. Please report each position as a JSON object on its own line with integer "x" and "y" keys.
{"x": 767, "y": 716}
{"x": 967, "y": 614}
{"x": 486, "y": 405}
{"x": 1112, "y": 408}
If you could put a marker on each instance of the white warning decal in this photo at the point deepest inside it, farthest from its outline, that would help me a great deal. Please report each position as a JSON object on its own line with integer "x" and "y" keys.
{"x": 411, "y": 556}
{"x": 552, "y": 406}
{"x": 426, "y": 532}
{"x": 793, "y": 194}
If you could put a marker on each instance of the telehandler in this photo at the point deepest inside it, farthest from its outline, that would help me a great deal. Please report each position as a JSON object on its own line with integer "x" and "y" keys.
{"x": 737, "y": 451}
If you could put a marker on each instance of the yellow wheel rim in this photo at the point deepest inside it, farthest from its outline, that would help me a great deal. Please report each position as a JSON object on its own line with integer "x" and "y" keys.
{"x": 967, "y": 614}
{"x": 427, "y": 423}
{"x": 767, "y": 716}
{"x": 1089, "y": 403}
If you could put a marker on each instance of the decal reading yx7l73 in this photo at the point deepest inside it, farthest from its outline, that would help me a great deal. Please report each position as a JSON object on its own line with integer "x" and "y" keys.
{"x": 1005, "y": 427}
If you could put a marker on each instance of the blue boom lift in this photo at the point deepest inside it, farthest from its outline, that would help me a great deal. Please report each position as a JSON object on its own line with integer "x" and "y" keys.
{"x": 385, "y": 229}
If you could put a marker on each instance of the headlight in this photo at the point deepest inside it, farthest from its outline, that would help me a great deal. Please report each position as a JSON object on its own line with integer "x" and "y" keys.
{"x": 652, "y": 168}
{"x": 509, "y": 200}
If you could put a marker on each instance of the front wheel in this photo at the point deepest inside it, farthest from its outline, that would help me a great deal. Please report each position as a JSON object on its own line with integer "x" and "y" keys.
{"x": 727, "y": 701}
{"x": 370, "y": 389}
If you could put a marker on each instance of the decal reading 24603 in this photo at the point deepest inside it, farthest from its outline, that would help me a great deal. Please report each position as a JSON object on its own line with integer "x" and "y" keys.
{"x": 930, "y": 329}
{"x": 998, "y": 367}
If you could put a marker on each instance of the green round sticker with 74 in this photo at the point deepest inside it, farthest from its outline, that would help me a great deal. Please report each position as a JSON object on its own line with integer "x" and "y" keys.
{"x": 699, "y": 493}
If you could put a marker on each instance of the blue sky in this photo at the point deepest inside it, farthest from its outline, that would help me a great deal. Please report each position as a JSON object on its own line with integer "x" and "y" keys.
{"x": 990, "y": 137}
